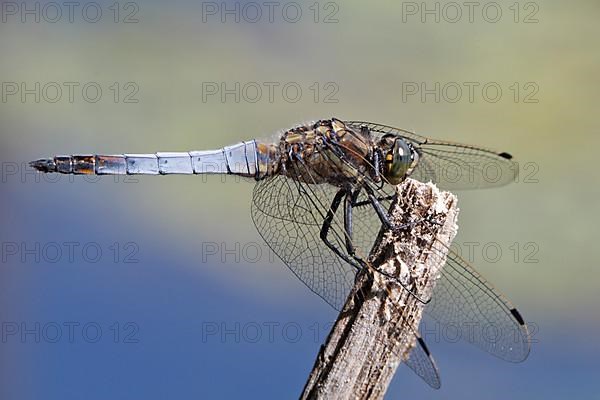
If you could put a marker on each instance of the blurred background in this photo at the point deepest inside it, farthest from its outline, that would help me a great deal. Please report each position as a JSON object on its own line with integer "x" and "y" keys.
{"x": 160, "y": 287}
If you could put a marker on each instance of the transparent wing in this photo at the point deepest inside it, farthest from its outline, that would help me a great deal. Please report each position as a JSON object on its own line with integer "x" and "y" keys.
{"x": 455, "y": 166}
{"x": 419, "y": 359}
{"x": 422, "y": 364}
{"x": 384, "y": 129}
{"x": 289, "y": 220}
{"x": 466, "y": 302}
{"x": 452, "y": 165}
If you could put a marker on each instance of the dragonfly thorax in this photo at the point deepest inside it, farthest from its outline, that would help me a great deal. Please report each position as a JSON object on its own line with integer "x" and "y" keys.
{"x": 326, "y": 151}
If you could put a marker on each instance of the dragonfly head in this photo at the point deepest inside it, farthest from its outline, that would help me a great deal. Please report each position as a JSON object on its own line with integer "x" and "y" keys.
{"x": 398, "y": 158}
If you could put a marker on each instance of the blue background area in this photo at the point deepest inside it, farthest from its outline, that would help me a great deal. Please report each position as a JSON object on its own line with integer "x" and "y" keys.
{"x": 192, "y": 335}
{"x": 179, "y": 320}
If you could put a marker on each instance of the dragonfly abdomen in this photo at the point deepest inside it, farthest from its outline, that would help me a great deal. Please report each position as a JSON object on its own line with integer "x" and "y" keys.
{"x": 239, "y": 159}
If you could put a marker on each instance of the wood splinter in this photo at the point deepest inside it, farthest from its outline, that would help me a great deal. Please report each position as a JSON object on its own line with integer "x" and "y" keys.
{"x": 376, "y": 329}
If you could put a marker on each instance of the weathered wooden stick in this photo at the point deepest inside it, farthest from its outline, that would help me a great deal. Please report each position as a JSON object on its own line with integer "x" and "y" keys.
{"x": 375, "y": 331}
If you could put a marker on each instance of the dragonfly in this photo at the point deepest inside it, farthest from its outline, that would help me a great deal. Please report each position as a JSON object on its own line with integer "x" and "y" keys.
{"x": 322, "y": 193}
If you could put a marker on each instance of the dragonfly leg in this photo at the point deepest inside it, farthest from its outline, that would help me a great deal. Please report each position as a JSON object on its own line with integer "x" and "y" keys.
{"x": 383, "y": 214}
{"x": 349, "y": 202}
{"x": 368, "y": 202}
{"x": 327, "y": 226}
{"x": 377, "y": 156}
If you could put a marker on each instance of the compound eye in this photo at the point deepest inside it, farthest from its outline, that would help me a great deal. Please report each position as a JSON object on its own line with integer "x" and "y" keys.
{"x": 397, "y": 161}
